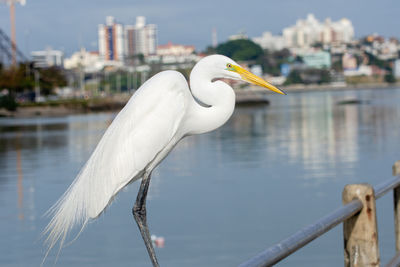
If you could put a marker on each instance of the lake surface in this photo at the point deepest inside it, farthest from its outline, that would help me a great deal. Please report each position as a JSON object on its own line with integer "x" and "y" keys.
{"x": 218, "y": 198}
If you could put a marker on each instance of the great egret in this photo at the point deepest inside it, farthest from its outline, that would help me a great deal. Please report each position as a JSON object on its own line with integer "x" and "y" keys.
{"x": 158, "y": 115}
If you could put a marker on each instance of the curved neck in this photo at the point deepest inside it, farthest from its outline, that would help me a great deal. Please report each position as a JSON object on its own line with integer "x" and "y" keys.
{"x": 219, "y": 98}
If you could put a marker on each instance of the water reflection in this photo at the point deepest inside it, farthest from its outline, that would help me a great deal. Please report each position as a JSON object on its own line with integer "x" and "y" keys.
{"x": 20, "y": 190}
{"x": 313, "y": 130}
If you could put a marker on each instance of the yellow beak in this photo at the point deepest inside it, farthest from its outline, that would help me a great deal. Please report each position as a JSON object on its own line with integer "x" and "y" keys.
{"x": 251, "y": 78}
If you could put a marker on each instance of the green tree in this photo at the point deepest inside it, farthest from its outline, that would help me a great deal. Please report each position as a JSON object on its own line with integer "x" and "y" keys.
{"x": 51, "y": 78}
{"x": 140, "y": 58}
{"x": 240, "y": 50}
{"x": 337, "y": 65}
{"x": 389, "y": 78}
{"x": 16, "y": 79}
{"x": 317, "y": 45}
{"x": 308, "y": 76}
{"x": 293, "y": 77}
{"x": 21, "y": 79}
{"x": 8, "y": 102}
{"x": 373, "y": 60}
{"x": 325, "y": 76}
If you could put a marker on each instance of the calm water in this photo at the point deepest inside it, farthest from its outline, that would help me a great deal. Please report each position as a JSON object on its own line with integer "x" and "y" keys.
{"x": 218, "y": 198}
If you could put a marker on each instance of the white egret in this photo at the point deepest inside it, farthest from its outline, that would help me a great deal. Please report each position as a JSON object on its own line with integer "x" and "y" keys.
{"x": 158, "y": 115}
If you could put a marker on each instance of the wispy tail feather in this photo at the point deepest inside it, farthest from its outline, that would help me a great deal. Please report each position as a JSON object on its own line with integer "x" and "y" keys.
{"x": 68, "y": 211}
{"x": 76, "y": 207}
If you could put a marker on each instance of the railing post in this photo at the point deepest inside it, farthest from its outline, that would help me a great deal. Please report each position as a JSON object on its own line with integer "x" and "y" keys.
{"x": 360, "y": 231}
{"x": 396, "y": 200}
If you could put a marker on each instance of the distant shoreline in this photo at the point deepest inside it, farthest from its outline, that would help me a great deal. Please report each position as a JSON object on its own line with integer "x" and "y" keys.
{"x": 249, "y": 96}
{"x": 331, "y": 87}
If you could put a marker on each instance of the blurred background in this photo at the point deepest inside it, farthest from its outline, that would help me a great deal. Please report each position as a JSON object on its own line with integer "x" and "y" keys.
{"x": 279, "y": 164}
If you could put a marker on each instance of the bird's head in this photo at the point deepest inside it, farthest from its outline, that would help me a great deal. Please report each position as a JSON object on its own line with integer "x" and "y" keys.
{"x": 228, "y": 68}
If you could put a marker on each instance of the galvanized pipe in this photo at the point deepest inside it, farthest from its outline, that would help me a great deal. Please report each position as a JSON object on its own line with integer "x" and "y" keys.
{"x": 291, "y": 244}
{"x": 383, "y": 188}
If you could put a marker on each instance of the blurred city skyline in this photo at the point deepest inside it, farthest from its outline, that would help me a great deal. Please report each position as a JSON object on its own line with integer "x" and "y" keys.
{"x": 70, "y": 25}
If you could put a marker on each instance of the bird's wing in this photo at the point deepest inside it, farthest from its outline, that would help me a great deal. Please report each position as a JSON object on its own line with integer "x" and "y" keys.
{"x": 143, "y": 128}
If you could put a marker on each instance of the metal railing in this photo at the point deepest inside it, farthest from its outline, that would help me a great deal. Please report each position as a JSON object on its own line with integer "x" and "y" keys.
{"x": 360, "y": 233}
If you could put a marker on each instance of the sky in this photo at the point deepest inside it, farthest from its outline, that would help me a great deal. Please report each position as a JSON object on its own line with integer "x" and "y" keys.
{"x": 69, "y": 25}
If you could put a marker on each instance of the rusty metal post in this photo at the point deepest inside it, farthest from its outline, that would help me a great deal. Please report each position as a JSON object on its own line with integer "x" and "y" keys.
{"x": 360, "y": 232}
{"x": 396, "y": 200}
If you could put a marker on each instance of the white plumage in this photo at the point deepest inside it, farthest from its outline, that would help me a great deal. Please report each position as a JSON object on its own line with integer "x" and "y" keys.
{"x": 157, "y": 116}
{"x": 138, "y": 133}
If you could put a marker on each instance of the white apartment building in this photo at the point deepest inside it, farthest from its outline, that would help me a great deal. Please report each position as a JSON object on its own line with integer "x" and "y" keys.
{"x": 309, "y": 31}
{"x": 141, "y": 38}
{"x": 111, "y": 40}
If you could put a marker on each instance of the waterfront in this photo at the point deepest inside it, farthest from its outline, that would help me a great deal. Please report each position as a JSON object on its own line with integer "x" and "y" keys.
{"x": 218, "y": 198}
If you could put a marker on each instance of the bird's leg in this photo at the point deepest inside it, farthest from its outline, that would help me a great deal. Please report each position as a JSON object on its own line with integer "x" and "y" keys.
{"x": 139, "y": 213}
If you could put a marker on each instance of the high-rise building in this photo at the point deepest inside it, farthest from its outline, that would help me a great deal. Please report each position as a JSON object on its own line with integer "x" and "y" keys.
{"x": 310, "y": 31}
{"x": 111, "y": 40}
{"x": 141, "y": 38}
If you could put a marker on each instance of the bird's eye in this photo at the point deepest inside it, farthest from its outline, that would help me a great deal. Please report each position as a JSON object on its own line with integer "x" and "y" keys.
{"x": 229, "y": 65}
